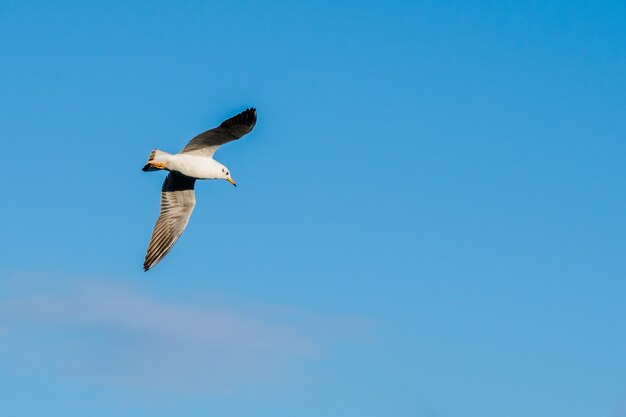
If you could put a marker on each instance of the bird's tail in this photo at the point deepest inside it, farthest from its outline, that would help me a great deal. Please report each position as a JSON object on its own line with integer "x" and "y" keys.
{"x": 156, "y": 161}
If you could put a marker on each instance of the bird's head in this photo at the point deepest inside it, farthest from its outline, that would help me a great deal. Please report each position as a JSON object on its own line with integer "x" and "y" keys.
{"x": 225, "y": 175}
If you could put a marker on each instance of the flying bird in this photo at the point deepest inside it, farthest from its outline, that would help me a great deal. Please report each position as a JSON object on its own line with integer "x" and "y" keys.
{"x": 194, "y": 162}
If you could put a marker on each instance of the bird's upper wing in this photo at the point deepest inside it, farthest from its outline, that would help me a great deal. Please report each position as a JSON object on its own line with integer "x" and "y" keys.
{"x": 206, "y": 143}
{"x": 177, "y": 203}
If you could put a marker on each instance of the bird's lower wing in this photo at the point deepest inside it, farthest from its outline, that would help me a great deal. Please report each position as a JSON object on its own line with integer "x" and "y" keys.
{"x": 177, "y": 203}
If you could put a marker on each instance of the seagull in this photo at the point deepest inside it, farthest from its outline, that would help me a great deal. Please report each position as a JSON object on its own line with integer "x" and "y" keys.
{"x": 194, "y": 162}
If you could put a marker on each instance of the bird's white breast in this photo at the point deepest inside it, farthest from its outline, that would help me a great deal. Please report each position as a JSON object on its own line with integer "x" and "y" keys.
{"x": 195, "y": 166}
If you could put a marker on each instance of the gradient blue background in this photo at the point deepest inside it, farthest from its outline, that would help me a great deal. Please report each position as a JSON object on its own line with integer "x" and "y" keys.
{"x": 448, "y": 174}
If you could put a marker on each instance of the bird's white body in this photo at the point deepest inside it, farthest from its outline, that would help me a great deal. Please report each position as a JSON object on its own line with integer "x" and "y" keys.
{"x": 194, "y": 166}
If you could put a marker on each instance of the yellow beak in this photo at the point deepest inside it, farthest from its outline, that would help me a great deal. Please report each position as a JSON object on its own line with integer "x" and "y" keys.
{"x": 230, "y": 180}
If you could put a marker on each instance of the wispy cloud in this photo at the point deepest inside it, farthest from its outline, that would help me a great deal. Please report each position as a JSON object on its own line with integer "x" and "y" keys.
{"x": 116, "y": 334}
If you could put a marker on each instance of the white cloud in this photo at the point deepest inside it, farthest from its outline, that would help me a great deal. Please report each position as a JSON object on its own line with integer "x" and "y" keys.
{"x": 112, "y": 333}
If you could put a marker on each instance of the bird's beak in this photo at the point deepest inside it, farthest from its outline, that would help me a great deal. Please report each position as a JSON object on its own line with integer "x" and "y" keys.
{"x": 230, "y": 180}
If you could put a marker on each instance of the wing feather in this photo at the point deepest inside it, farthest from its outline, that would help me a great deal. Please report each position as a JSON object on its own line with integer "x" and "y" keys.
{"x": 206, "y": 143}
{"x": 177, "y": 203}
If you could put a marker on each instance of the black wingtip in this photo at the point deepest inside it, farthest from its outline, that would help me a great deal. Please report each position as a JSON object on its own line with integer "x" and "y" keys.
{"x": 246, "y": 117}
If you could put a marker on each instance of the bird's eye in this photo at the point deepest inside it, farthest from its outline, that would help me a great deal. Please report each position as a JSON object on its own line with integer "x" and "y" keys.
{"x": 222, "y": 169}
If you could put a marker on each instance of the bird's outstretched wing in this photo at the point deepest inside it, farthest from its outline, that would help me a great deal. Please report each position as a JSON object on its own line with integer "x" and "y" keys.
{"x": 177, "y": 203}
{"x": 206, "y": 143}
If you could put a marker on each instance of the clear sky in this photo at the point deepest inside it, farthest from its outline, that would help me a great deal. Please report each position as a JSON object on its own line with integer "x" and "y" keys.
{"x": 429, "y": 218}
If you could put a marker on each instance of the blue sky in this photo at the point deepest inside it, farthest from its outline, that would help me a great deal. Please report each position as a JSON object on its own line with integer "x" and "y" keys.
{"x": 429, "y": 218}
